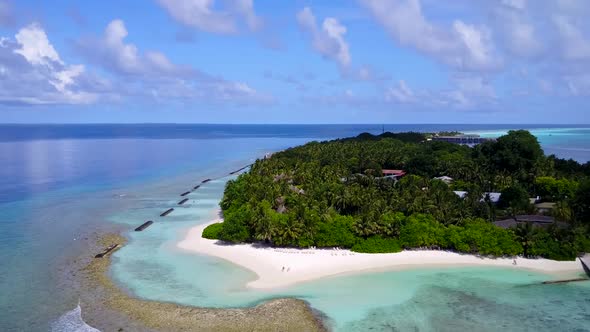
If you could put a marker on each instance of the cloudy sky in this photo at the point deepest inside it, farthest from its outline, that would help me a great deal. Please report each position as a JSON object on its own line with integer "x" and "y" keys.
{"x": 269, "y": 61}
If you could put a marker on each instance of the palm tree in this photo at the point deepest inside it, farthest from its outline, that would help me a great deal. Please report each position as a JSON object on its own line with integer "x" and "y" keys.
{"x": 525, "y": 233}
{"x": 563, "y": 212}
{"x": 290, "y": 232}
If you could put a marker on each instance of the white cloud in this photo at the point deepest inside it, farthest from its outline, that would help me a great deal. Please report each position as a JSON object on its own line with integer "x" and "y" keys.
{"x": 35, "y": 46}
{"x": 578, "y": 85}
{"x": 246, "y": 9}
{"x": 329, "y": 39}
{"x": 475, "y": 86}
{"x": 465, "y": 93}
{"x": 200, "y": 14}
{"x": 124, "y": 56}
{"x": 401, "y": 93}
{"x": 479, "y": 51}
{"x": 152, "y": 74}
{"x": 32, "y": 72}
{"x": 516, "y": 4}
{"x": 517, "y": 29}
{"x": 461, "y": 45}
{"x": 575, "y": 46}
{"x": 112, "y": 51}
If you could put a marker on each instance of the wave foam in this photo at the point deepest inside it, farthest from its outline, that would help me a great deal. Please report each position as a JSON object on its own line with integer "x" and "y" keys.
{"x": 72, "y": 321}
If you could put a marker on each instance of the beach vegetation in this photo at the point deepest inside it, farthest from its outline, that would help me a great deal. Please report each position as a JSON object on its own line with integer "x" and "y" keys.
{"x": 334, "y": 194}
{"x": 212, "y": 231}
{"x": 376, "y": 245}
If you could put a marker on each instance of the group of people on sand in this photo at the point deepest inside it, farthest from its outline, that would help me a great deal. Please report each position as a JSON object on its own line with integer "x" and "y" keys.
{"x": 288, "y": 269}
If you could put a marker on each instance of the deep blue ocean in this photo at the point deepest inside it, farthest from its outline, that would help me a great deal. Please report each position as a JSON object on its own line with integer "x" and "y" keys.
{"x": 59, "y": 183}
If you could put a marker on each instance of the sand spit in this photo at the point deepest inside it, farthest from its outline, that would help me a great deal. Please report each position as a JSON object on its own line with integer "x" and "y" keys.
{"x": 108, "y": 308}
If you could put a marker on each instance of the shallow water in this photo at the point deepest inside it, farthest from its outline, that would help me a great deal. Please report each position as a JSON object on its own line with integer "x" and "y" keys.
{"x": 447, "y": 299}
{"x": 566, "y": 143}
{"x": 58, "y": 184}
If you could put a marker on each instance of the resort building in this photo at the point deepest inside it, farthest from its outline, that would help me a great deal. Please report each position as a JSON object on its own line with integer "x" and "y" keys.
{"x": 545, "y": 207}
{"x": 395, "y": 172}
{"x": 493, "y": 197}
{"x": 538, "y": 221}
{"x": 445, "y": 179}
{"x": 469, "y": 140}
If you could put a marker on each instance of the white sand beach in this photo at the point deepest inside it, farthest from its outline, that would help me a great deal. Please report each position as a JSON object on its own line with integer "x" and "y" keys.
{"x": 278, "y": 268}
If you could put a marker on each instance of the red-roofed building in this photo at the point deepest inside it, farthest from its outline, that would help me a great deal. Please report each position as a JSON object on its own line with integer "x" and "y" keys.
{"x": 393, "y": 172}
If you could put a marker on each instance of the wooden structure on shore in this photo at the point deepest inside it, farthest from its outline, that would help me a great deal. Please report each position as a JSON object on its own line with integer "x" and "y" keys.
{"x": 185, "y": 193}
{"x": 183, "y": 201}
{"x": 107, "y": 250}
{"x": 167, "y": 212}
{"x": 197, "y": 187}
{"x": 144, "y": 226}
{"x": 206, "y": 180}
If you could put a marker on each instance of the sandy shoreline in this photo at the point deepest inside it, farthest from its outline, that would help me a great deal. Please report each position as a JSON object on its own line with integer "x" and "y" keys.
{"x": 278, "y": 268}
{"x": 107, "y": 307}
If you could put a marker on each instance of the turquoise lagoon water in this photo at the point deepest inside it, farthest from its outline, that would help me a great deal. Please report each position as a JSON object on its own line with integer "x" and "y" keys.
{"x": 447, "y": 299}
{"x": 59, "y": 184}
{"x": 563, "y": 142}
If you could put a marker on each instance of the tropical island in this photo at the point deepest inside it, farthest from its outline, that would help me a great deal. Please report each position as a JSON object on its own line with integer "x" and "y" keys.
{"x": 396, "y": 191}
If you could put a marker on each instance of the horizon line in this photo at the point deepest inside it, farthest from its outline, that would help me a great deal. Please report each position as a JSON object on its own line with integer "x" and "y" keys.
{"x": 284, "y": 124}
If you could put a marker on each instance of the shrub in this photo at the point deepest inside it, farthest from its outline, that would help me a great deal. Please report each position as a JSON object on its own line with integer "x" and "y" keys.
{"x": 421, "y": 230}
{"x": 377, "y": 244}
{"x": 212, "y": 231}
{"x": 233, "y": 231}
{"x": 337, "y": 233}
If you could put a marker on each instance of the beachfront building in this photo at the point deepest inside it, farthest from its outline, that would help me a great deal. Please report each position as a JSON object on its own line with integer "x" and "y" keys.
{"x": 545, "y": 207}
{"x": 469, "y": 140}
{"x": 537, "y": 221}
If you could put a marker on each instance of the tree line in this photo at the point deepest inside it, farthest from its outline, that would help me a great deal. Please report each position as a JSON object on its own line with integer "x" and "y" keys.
{"x": 333, "y": 194}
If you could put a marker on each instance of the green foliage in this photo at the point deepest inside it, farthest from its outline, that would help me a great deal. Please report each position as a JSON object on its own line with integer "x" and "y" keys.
{"x": 409, "y": 137}
{"x": 516, "y": 198}
{"x": 333, "y": 194}
{"x": 517, "y": 152}
{"x": 336, "y": 233}
{"x": 552, "y": 189}
{"x": 581, "y": 203}
{"x": 377, "y": 244}
{"x": 422, "y": 230}
{"x": 234, "y": 227}
{"x": 562, "y": 211}
{"x": 548, "y": 246}
{"x": 212, "y": 231}
{"x": 480, "y": 236}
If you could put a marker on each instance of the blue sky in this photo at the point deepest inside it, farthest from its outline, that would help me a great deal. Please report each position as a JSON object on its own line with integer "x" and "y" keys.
{"x": 255, "y": 61}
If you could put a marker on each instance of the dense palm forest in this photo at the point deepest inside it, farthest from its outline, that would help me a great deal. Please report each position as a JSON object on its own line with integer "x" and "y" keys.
{"x": 333, "y": 194}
